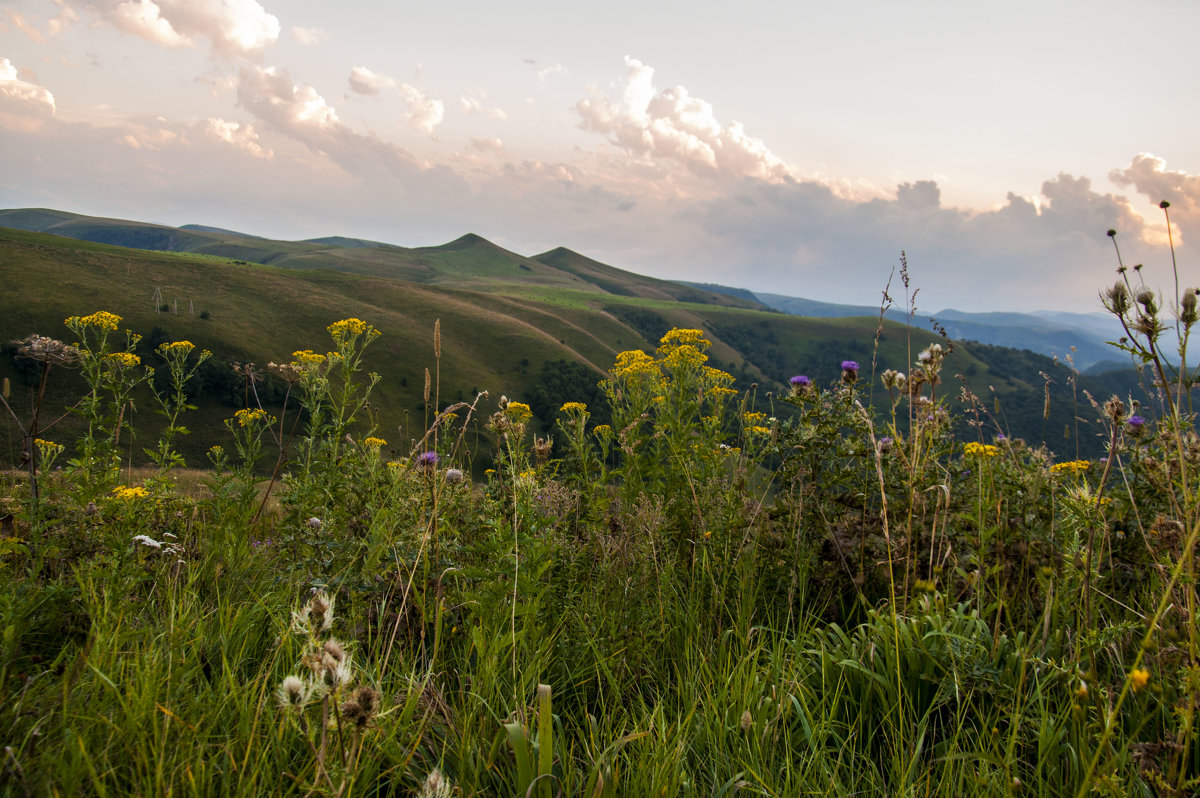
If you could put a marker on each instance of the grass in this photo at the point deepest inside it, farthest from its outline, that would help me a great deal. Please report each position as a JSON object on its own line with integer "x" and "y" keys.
{"x": 826, "y": 596}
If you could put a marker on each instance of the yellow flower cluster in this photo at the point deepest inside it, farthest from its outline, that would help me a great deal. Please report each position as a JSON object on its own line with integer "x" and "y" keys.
{"x": 101, "y": 319}
{"x": 633, "y": 363}
{"x": 124, "y": 360}
{"x": 1138, "y": 678}
{"x": 753, "y": 418}
{"x": 345, "y": 328}
{"x": 181, "y": 347}
{"x": 373, "y": 442}
{"x": 757, "y": 430}
{"x": 573, "y": 407}
{"x": 720, "y": 391}
{"x": 980, "y": 449}
{"x": 602, "y": 431}
{"x": 306, "y": 358}
{"x": 683, "y": 337}
{"x": 1073, "y": 466}
{"x": 518, "y": 412}
{"x": 682, "y": 358}
{"x": 249, "y": 416}
{"x": 130, "y": 494}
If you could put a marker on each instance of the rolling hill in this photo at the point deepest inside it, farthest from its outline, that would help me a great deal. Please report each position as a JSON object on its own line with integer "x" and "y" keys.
{"x": 541, "y": 329}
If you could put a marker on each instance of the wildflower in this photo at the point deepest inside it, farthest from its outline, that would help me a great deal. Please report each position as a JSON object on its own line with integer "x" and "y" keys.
{"x": 747, "y": 721}
{"x": 47, "y": 350}
{"x": 885, "y": 444}
{"x": 758, "y": 430}
{"x": 849, "y": 371}
{"x": 130, "y": 494}
{"x": 178, "y": 347}
{"x": 1138, "y": 678}
{"x": 518, "y": 412}
{"x": 1072, "y": 466}
{"x": 146, "y": 540}
{"x": 573, "y": 407}
{"x": 313, "y": 523}
{"x": 1135, "y": 423}
{"x": 249, "y": 416}
{"x": 361, "y": 706}
{"x": 427, "y": 461}
{"x": 683, "y": 337}
{"x": 346, "y": 328}
{"x": 1081, "y": 692}
{"x": 374, "y": 443}
{"x": 753, "y": 418}
{"x": 308, "y": 359}
{"x": 454, "y": 476}
{"x": 293, "y": 692}
{"x": 603, "y": 431}
{"x": 122, "y": 360}
{"x": 974, "y": 449}
{"x": 634, "y": 363}
{"x": 800, "y": 385}
{"x": 436, "y": 786}
{"x": 315, "y": 616}
{"x": 101, "y": 320}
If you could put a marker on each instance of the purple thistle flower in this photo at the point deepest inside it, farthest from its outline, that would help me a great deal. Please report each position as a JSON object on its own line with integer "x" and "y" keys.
{"x": 1136, "y": 422}
{"x": 849, "y": 371}
{"x": 800, "y": 385}
{"x": 427, "y": 460}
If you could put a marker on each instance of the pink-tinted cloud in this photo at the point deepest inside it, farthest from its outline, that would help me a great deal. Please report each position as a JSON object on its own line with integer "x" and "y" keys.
{"x": 672, "y": 125}
{"x": 1148, "y": 174}
{"x": 232, "y": 27}
{"x": 24, "y": 105}
{"x": 424, "y": 113}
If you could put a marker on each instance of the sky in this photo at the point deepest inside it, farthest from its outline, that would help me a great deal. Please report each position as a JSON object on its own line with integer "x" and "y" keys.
{"x": 787, "y": 147}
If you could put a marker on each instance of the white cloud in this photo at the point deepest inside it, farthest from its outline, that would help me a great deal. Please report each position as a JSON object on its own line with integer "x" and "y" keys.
{"x": 233, "y": 27}
{"x": 309, "y": 36}
{"x": 475, "y": 102}
{"x": 672, "y": 125}
{"x": 23, "y": 105}
{"x": 300, "y": 113}
{"x": 241, "y": 136}
{"x": 364, "y": 81}
{"x": 19, "y": 22}
{"x": 491, "y": 146}
{"x": 424, "y": 113}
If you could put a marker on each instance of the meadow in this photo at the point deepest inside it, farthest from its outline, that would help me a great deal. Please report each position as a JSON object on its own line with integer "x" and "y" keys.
{"x": 713, "y": 592}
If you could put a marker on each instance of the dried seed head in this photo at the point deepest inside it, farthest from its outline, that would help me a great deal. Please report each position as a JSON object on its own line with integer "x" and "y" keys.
{"x": 437, "y": 337}
{"x": 747, "y": 721}
{"x": 1188, "y": 314}
{"x": 293, "y": 692}
{"x": 1116, "y": 299}
{"x": 1114, "y": 408}
{"x": 436, "y": 786}
{"x": 426, "y": 394}
{"x": 541, "y": 450}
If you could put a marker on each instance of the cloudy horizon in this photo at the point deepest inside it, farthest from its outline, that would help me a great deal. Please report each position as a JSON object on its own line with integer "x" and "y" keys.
{"x": 785, "y": 148}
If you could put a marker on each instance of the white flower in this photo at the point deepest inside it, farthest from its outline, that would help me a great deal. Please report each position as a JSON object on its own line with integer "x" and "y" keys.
{"x": 147, "y": 541}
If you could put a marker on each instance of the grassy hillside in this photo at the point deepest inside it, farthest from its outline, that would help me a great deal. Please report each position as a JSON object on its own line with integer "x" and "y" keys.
{"x": 545, "y": 327}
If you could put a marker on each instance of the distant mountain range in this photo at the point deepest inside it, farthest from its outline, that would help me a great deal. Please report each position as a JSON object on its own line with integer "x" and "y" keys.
{"x": 1081, "y": 338}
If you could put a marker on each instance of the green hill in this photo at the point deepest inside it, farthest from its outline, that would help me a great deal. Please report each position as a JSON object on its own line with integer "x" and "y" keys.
{"x": 541, "y": 329}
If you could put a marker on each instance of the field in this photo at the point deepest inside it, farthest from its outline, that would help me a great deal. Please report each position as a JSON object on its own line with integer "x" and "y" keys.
{"x": 853, "y": 580}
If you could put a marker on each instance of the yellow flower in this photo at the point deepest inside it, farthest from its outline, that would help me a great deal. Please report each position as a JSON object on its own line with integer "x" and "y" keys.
{"x": 633, "y": 363}
{"x": 182, "y": 347}
{"x": 719, "y": 391}
{"x": 980, "y": 449}
{"x": 122, "y": 360}
{"x": 250, "y": 416}
{"x": 753, "y": 418}
{"x": 306, "y": 358}
{"x": 683, "y": 358}
{"x": 101, "y": 319}
{"x": 684, "y": 337}
{"x": 1138, "y": 678}
{"x": 573, "y": 407}
{"x": 602, "y": 431}
{"x": 130, "y": 494}
{"x": 341, "y": 330}
{"x": 757, "y": 430}
{"x": 373, "y": 442}
{"x": 518, "y": 412}
{"x": 1073, "y": 466}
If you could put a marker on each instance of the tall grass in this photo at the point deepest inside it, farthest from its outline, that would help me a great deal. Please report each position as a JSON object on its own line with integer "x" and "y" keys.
{"x": 720, "y": 592}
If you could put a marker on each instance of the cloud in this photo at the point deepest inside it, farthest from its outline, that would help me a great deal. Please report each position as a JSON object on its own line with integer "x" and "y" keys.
{"x": 1148, "y": 174}
{"x": 20, "y": 23}
{"x": 364, "y": 81}
{"x": 232, "y": 27}
{"x": 309, "y": 36}
{"x": 23, "y": 105}
{"x": 424, "y": 113}
{"x": 491, "y": 146}
{"x": 302, "y": 114}
{"x": 671, "y": 125}
{"x": 240, "y": 136}
{"x": 475, "y": 102}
